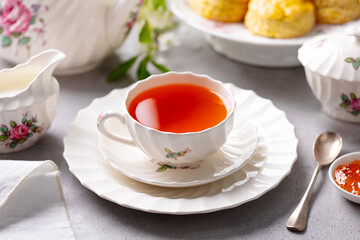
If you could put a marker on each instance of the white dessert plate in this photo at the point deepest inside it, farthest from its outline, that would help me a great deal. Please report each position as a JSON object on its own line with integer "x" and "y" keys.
{"x": 134, "y": 163}
{"x": 236, "y": 42}
{"x": 272, "y": 161}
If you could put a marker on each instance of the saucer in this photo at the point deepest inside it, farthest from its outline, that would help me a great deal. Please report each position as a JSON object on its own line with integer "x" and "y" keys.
{"x": 132, "y": 162}
{"x": 272, "y": 161}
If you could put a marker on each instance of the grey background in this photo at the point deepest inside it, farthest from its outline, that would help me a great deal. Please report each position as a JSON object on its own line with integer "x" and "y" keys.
{"x": 331, "y": 215}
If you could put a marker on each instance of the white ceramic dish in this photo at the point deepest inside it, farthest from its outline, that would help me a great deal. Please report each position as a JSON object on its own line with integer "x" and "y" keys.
{"x": 272, "y": 161}
{"x": 345, "y": 159}
{"x": 331, "y": 65}
{"x": 234, "y": 154}
{"x": 235, "y": 42}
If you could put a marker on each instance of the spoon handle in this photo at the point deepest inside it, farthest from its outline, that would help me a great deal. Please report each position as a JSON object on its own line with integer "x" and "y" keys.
{"x": 298, "y": 219}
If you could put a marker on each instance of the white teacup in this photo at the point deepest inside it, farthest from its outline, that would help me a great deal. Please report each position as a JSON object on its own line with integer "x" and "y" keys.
{"x": 168, "y": 148}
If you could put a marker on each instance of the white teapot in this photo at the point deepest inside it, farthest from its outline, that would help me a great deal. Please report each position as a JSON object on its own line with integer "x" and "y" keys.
{"x": 85, "y": 30}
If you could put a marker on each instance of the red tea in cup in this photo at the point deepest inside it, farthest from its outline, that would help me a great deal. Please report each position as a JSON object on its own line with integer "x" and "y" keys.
{"x": 178, "y": 108}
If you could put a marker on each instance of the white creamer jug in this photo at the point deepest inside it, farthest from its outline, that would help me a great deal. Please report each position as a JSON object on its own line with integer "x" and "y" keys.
{"x": 28, "y": 100}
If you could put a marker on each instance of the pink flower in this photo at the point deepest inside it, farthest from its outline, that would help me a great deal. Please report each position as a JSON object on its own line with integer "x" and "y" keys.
{"x": 19, "y": 132}
{"x": 15, "y": 17}
{"x": 355, "y": 104}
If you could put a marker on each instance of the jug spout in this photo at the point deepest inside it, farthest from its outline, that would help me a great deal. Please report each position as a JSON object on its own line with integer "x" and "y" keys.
{"x": 121, "y": 17}
{"x": 45, "y": 62}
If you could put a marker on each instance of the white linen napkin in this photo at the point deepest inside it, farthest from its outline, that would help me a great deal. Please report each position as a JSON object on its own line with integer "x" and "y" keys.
{"x": 31, "y": 201}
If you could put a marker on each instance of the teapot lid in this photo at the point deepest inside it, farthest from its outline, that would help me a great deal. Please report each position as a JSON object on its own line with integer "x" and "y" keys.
{"x": 335, "y": 55}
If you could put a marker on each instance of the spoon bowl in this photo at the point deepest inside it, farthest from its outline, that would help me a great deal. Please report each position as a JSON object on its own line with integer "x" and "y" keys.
{"x": 327, "y": 147}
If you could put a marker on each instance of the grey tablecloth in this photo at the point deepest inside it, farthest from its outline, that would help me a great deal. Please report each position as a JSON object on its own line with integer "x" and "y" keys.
{"x": 331, "y": 216}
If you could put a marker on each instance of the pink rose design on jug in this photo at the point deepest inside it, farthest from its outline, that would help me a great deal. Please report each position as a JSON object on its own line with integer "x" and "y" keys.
{"x": 15, "y": 17}
{"x": 19, "y": 132}
{"x": 20, "y": 22}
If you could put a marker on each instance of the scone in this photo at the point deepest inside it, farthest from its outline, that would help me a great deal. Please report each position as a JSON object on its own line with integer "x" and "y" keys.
{"x": 221, "y": 10}
{"x": 337, "y": 11}
{"x": 280, "y": 18}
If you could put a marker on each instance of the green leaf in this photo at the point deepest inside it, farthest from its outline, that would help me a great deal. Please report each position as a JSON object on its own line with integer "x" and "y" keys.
{"x": 22, "y": 140}
{"x": 181, "y": 153}
{"x": 1, "y": 30}
{"x": 32, "y": 127}
{"x": 353, "y": 96}
{"x": 4, "y": 137}
{"x": 13, "y": 124}
{"x": 24, "y": 40}
{"x": 24, "y": 120}
{"x": 3, "y": 129}
{"x": 30, "y": 122}
{"x": 355, "y": 65}
{"x": 142, "y": 71}
{"x": 349, "y": 60}
{"x": 343, "y": 105}
{"x": 344, "y": 98}
{"x": 13, "y": 144}
{"x": 5, "y": 41}
{"x": 30, "y": 134}
{"x": 162, "y": 168}
{"x": 355, "y": 113}
{"x": 36, "y": 130}
{"x": 121, "y": 69}
{"x": 169, "y": 155}
{"x": 33, "y": 19}
{"x": 168, "y": 150}
{"x": 158, "y": 3}
{"x": 162, "y": 68}
{"x": 145, "y": 34}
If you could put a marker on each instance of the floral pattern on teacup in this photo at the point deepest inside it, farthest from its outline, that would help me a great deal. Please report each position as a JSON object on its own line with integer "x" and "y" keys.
{"x": 19, "y": 133}
{"x": 352, "y": 103}
{"x": 175, "y": 155}
{"x": 101, "y": 116}
{"x": 17, "y": 20}
{"x": 163, "y": 167}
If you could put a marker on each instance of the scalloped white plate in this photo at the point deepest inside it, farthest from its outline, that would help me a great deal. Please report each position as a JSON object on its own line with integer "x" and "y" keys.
{"x": 132, "y": 162}
{"x": 236, "y": 42}
{"x": 271, "y": 162}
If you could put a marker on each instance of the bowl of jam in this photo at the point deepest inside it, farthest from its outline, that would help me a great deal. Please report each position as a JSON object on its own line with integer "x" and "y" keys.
{"x": 344, "y": 173}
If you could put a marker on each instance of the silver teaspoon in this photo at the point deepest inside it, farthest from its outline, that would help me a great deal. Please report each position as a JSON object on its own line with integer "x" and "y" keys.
{"x": 327, "y": 147}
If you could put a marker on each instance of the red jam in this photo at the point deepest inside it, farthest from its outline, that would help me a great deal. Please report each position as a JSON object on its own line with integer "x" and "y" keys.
{"x": 348, "y": 177}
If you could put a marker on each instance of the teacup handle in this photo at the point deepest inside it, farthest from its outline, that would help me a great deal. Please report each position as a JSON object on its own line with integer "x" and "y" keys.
{"x": 103, "y": 130}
